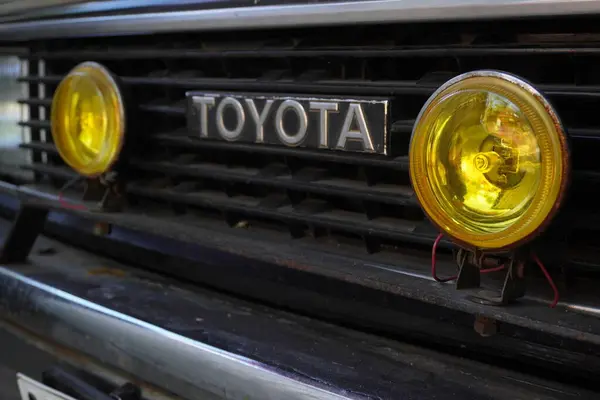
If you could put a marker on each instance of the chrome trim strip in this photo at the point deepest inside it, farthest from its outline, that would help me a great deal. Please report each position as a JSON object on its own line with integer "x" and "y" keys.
{"x": 21, "y": 10}
{"x": 311, "y": 353}
{"x": 377, "y": 11}
{"x": 25, "y": 6}
{"x": 77, "y": 360}
{"x": 89, "y": 327}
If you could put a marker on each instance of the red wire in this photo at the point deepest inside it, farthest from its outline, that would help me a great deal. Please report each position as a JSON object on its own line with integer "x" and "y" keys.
{"x": 68, "y": 205}
{"x": 549, "y": 278}
{"x": 433, "y": 262}
{"x": 488, "y": 270}
{"x": 451, "y": 278}
{"x": 494, "y": 269}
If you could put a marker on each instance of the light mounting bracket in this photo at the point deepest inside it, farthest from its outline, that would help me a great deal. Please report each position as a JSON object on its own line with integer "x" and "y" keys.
{"x": 470, "y": 264}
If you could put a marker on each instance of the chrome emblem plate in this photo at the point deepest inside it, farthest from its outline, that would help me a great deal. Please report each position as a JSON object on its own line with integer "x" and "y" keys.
{"x": 353, "y": 124}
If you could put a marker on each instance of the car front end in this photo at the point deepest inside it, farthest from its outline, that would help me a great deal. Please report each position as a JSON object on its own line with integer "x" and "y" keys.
{"x": 371, "y": 199}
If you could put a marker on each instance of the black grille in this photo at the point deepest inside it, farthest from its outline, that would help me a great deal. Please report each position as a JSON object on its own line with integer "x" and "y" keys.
{"x": 322, "y": 194}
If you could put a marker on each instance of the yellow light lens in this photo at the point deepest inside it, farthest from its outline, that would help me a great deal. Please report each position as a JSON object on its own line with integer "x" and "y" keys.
{"x": 489, "y": 160}
{"x": 88, "y": 119}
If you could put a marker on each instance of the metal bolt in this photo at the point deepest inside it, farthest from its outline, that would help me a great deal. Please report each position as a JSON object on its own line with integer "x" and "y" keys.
{"x": 102, "y": 228}
{"x": 243, "y": 224}
{"x": 486, "y": 327}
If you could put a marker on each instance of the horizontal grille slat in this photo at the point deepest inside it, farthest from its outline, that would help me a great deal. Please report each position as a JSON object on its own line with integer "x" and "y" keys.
{"x": 343, "y": 221}
{"x": 383, "y": 88}
{"x": 171, "y": 109}
{"x": 396, "y": 194}
{"x": 182, "y": 140}
{"x": 40, "y": 79}
{"x": 52, "y": 171}
{"x": 319, "y": 87}
{"x": 285, "y": 52}
{"x": 36, "y": 102}
{"x": 583, "y": 133}
{"x": 270, "y": 208}
{"x": 33, "y": 123}
{"x": 40, "y": 146}
{"x": 359, "y": 87}
{"x": 406, "y": 192}
{"x": 176, "y": 139}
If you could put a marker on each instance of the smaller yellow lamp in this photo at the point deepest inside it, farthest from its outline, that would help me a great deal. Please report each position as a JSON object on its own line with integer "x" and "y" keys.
{"x": 489, "y": 160}
{"x": 88, "y": 119}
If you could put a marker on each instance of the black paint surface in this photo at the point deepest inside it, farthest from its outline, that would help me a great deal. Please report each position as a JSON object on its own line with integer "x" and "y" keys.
{"x": 339, "y": 360}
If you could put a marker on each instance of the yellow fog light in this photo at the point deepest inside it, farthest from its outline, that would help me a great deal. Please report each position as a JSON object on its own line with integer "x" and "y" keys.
{"x": 489, "y": 160}
{"x": 88, "y": 119}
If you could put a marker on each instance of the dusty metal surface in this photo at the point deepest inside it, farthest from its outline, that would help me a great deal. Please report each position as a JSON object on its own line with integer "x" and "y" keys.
{"x": 162, "y": 333}
{"x": 29, "y": 6}
{"x": 396, "y": 300}
{"x": 405, "y": 277}
{"x": 255, "y": 15}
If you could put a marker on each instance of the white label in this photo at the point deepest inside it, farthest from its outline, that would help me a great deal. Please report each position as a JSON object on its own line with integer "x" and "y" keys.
{"x": 33, "y": 390}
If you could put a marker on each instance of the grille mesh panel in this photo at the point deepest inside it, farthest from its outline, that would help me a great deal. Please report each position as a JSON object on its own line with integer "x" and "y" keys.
{"x": 320, "y": 193}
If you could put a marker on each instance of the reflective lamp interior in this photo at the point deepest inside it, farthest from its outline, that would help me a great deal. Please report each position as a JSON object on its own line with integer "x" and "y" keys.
{"x": 486, "y": 160}
{"x": 489, "y": 160}
{"x": 88, "y": 119}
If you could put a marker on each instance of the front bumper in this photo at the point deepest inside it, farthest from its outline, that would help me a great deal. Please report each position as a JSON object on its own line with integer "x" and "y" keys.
{"x": 175, "y": 340}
